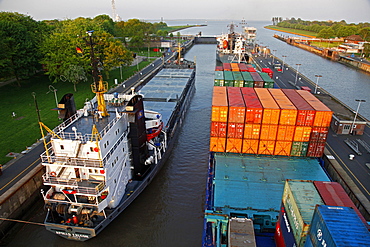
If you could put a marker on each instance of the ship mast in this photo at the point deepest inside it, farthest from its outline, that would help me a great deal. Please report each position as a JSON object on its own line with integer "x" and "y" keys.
{"x": 98, "y": 86}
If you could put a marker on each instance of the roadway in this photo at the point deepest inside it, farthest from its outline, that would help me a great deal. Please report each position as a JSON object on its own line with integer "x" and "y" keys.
{"x": 356, "y": 168}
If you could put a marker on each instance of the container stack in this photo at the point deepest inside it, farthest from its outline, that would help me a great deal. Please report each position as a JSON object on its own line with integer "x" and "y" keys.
{"x": 242, "y": 75}
{"x": 320, "y": 126}
{"x": 235, "y": 123}
{"x": 220, "y": 109}
{"x": 298, "y": 220}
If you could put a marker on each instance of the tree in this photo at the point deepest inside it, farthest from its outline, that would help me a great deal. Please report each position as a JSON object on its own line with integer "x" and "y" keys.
{"x": 62, "y": 60}
{"x": 326, "y": 33}
{"x": 20, "y": 37}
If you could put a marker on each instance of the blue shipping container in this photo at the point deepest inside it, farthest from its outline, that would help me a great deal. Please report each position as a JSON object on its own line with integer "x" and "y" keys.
{"x": 337, "y": 226}
{"x": 285, "y": 228}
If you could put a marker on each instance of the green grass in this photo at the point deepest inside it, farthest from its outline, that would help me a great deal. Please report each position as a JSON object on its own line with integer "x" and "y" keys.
{"x": 22, "y": 131}
{"x": 325, "y": 44}
{"x": 297, "y": 31}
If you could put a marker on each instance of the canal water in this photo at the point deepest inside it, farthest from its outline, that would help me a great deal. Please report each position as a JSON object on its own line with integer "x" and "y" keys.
{"x": 170, "y": 210}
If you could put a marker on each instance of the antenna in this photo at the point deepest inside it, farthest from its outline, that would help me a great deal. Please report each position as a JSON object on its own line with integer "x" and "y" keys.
{"x": 115, "y": 17}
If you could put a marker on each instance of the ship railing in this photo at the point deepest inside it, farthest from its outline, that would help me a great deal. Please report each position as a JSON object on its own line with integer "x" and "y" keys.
{"x": 67, "y": 122}
{"x": 84, "y": 187}
{"x": 69, "y": 161}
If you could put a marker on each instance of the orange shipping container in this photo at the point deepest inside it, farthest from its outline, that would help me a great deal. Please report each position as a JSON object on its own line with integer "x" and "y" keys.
{"x": 283, "y": 148}
{"x": 268, "y": 132}
{"x": 306, "y": 114}
{"x": 234, "y": 67}
{"x": 250, "y": 146}
{"x": 323, "y": 114}
{"x": 271, "y": 110}
{"x": 266, "y": 147}
{"x": 302, "y": 134}
{"x": 218, "y": 129}
{"x": 285, "y": 133}
{"x": 234, "y": 145}
{"x": 217, "y": 144}
{"x": 288, "y": 112}
{"x": 252, "y": 131}
{"x": 236, "y": 105}
{"x": 253, "y": 106}
{"x": 235, "y": 130}
{"x": 219, "y": 105}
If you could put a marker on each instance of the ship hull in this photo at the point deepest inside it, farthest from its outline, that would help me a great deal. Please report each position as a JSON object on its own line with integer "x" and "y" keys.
{"x": 133, "y": 189}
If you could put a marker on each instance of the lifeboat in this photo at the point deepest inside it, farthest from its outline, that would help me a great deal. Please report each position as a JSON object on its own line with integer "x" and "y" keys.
{"x": 154, "y": 124}
{"x": 225, "y": 44}
{"x": 153, "y": 132}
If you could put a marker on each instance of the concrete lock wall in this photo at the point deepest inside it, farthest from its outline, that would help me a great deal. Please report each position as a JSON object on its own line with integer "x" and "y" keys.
{"x": 16, "y": 201}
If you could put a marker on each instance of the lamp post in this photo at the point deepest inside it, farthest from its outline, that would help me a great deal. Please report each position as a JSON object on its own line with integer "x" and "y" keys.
{"x": 282, "y": 68}
{"x": 296, "y": 75}
{"x": 317, "y": 82}
{"x": 358, "y": 108}
{"x": 273, "y": 57}
{"x": 53, "y": 89}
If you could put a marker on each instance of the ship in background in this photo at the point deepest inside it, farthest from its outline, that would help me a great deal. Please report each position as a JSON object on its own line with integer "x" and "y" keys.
{"x": 103, "y": 156}
{"x": 234, "y": 46}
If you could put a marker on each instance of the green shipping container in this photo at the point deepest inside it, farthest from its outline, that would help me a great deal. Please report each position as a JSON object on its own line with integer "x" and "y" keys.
{"x": 219, "y": 78}
{"x": 229, "y": 78}
{"x": 300, "y": 198}
{"x": 238, "y": 79}
{"x": 268, "y": 81}
{"x": 299, "y": 149}
{"x": 248, "y": 80}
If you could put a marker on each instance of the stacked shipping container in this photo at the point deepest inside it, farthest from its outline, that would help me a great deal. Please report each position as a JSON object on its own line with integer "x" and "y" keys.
{"x": 284, "y": 126}
{"x": 297, "y": 213}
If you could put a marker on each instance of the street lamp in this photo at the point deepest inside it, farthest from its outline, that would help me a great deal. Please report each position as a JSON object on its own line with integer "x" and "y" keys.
{"x": 282, "y": 68}
{"x": 296, "y": 75}
{"x": 358, "y": 107}
{"x": 53, "y": 89}
{"x": 317, "y": 81}
{"x": 273, "y": 57}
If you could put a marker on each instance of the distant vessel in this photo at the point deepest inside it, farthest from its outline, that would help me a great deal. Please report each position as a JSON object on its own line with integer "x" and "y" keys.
{"x": 102, "y": 157}
{"x": 233, "y": 46}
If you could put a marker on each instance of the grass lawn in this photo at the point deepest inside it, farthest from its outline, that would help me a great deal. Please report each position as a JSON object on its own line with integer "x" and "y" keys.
{"x": 22, "y": 131}
{"x": 292, "y": 30}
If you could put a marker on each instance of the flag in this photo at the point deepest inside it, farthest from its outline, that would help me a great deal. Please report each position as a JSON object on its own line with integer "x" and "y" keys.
{"x": 79, "y": 50}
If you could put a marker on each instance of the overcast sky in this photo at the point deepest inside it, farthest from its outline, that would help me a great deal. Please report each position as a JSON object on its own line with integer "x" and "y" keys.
{"x": 349, "y": 10}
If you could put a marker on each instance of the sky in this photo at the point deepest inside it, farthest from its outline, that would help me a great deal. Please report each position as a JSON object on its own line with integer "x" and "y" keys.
{"x": 352, "y": 11}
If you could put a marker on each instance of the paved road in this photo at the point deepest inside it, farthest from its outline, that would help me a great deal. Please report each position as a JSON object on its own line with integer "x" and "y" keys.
{"x": 355, "y": 168}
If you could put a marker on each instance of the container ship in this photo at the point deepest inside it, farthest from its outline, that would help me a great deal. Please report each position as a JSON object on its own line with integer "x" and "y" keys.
{"x": 233, "y": 46}
{"x": 266, "y": 185}
{"x": 104, "y": 155}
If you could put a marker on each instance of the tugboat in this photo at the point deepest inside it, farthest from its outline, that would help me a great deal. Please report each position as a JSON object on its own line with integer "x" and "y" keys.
{"x": 105, "y": 154}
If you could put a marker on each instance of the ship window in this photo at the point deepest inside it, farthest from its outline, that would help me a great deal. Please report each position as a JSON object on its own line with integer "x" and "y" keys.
{"x": 90, "y": 171}
{"x": 107, "y": 143}
{"x": 123, "y": 149}
{"x": 62, "y": 147}
{"x": 91, "y": 149}
{"x": 115, "y": 181}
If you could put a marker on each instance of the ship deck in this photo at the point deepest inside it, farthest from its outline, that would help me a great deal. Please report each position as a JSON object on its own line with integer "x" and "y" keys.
{"x": 257, "y": 183}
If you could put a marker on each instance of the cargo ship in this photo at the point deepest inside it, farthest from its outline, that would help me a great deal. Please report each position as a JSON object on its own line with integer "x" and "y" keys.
{"x": 103, "y": 156}
{"x": 234, "y": 46}
{"x": 266, "y": 185}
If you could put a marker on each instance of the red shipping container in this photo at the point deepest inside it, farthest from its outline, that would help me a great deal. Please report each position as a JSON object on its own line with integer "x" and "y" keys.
{"x": 218, "y": 129}
{"x": 285, "y": 133}
{"x": 283, "y": 148}
{"x": 306, "y": 113}
{"x": 219, "y": 68}
{"x": 319, "y": 134}
{"x": 333, "y": 194}
{"x": 217, "y": 144}
{"x": 316, "y": 149}
{"x": 220, "y": 105}
{"x": 253, "y": 106}
{"x": 258, "y": 81}
{"x": 226, "y": 66}
{"x": 236, "y": 105}
{"x": 268, "y": 71}
{"x": 252, "y": 131}
{"x": 268, "y": 132}
{"x": 323, "y": 114}
{"x": 243, "y": 67}
{"x": 250, "y": 146}
{"x": 235, "y": 130}
{"x": 234, "y": 145}
{"x": 266, "y": 147}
